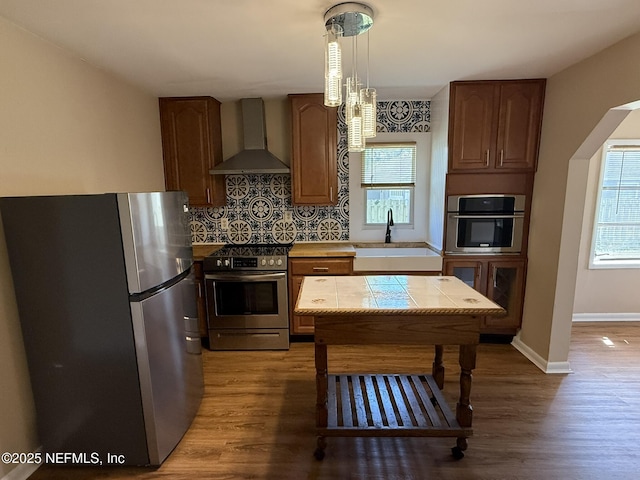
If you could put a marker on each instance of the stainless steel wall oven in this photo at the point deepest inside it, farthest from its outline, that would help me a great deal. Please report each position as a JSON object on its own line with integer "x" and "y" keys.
{"x": 485, "y": 224}
{"x": 247, "y": 303}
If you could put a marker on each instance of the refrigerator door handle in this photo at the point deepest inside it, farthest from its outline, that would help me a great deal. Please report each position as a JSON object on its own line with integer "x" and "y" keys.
{"x": 194, "y": 346}
{"x": 191, "y": 325}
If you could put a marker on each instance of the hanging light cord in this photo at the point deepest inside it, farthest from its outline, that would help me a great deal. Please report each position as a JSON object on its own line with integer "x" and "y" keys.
{"x": 354, "y": 56}
{"x": 367, "y": 59}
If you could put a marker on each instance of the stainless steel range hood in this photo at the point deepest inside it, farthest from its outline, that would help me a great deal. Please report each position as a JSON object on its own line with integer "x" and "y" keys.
{"x": 255, "y": 158}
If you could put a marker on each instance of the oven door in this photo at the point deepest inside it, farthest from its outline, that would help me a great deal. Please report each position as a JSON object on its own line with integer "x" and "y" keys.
{"x": 478, "y": 234}
{"x": 247, "y": 300}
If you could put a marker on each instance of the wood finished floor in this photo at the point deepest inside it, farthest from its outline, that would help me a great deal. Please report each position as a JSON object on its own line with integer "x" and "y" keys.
{"x": 257, "y": 418}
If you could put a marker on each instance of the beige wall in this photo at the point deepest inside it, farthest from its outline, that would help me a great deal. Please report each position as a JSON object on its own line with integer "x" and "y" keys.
{"x": 65, "y": 127}
{"x": 577, "y": 99}
{"x": 605, "y": 290}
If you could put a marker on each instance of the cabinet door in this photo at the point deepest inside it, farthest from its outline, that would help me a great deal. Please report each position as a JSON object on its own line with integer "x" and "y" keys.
{"x": 519, "y": 119}
{"x": 471, "y": 127}
{"x": 191, "y": 146}
{"x": 310, "y": 266}
{"x": 299, "y": 324}
{"x": 314, "y": 169}
{"x": 505, "y": 286}
{"x": 470, "y": 272}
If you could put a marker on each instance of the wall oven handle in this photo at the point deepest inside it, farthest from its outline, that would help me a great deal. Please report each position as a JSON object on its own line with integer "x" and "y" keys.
{"x": 246, "y": 277}
{"x": 487, "y": 216}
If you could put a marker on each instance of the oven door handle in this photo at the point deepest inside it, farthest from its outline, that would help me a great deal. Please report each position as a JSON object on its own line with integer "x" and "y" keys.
{"x": 246, "y": 277}
{"x": 487, "y": 216}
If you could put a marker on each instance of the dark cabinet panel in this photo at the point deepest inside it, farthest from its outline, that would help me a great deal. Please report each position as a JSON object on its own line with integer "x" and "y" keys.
{"x": 500, "y": 280}
{"x": 314, "y": 169}
{"x": 495, "y": 125}
{"x": 191, "y": 146}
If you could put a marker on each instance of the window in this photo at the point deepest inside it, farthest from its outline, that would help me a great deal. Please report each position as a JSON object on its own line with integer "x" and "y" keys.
{"x": 616, "y": 236}
{"x": 388, "y": 180}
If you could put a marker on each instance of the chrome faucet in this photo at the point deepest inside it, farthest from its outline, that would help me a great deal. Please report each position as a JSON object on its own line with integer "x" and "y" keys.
{"x": 387, "y": 236}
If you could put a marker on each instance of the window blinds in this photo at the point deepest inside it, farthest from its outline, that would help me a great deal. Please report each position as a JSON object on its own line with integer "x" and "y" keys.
{"x": 389, "y": 165}
{"x": 618, "y": 221}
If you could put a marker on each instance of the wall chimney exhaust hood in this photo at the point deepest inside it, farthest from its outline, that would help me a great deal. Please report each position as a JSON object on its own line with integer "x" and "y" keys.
{"x": 255, "y": 158}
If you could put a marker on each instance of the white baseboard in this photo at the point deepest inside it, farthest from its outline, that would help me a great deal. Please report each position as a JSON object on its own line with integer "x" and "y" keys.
{"x": 606, "y": 317}
{"x": 537, "y": 360}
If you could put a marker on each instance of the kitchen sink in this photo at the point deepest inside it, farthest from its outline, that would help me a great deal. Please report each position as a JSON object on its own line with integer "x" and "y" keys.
{"x": 395, "y": 258}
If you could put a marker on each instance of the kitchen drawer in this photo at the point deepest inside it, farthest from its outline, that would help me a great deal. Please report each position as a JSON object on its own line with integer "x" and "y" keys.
{"x": 333, "y": 266}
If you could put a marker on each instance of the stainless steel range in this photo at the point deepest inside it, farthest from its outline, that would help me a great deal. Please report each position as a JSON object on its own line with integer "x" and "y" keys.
{"x": 247, "y": 305}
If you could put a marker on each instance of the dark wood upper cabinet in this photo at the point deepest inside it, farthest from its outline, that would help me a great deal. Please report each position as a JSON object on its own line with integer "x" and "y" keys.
{"x": 314, "y": 169}
{"x": 191, "y": 146}
{"x": 495, "y": 125}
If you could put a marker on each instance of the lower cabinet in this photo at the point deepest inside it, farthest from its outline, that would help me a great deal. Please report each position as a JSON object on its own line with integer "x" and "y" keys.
{"x": 307, "y": 266}
{"x": 499, "y": 279}
{"x": 201, "y": 300}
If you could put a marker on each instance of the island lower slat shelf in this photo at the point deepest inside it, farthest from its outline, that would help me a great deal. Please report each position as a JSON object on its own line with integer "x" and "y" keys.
{"x": 388, "y": 406}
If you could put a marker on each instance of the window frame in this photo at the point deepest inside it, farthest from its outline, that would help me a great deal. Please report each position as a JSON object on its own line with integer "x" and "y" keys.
{"x": 366, "y": 187}
{"x": 357, "y": 231}
{"x": 596, "y": 263}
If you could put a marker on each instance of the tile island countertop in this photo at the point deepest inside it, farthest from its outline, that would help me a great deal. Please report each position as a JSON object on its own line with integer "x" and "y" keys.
{"x": 391, "y": 294}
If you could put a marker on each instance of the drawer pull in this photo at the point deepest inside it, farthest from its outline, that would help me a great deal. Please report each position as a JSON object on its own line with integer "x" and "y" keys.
{"x": 320, "y": 269}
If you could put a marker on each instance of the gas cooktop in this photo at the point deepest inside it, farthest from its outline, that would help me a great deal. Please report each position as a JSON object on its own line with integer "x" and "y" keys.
{"x": 248, "y": 257}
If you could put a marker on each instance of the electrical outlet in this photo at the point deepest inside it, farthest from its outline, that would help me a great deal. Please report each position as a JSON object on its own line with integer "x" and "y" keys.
{"x": 224, "y": 223}
{"x": 288, "y": 216}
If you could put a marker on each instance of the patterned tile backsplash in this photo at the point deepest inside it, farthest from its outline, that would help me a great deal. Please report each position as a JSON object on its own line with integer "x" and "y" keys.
{"x": 259, "y": 206}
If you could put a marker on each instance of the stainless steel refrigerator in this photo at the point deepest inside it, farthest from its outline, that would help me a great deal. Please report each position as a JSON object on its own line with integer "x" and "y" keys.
{"x": 107, "y": 304}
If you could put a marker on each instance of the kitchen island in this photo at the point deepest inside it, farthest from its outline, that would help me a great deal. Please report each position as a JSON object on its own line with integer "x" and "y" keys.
{"x": 388, "y": 310}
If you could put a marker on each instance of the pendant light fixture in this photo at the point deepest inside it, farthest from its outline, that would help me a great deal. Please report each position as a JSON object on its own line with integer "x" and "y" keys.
{"x": 349, "y": 20}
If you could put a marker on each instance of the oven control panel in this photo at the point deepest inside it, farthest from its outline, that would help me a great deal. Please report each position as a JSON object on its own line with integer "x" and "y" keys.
{"x": 266, "y": 262}
{"x": 269, "y": 257}
{"x": 248, "y": 262}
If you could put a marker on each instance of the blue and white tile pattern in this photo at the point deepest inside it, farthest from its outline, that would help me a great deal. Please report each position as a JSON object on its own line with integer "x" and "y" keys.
{"x": 257, "y": 204}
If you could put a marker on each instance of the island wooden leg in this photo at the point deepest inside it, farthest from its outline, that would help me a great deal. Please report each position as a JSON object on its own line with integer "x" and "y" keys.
{"x": 464, "y": 410}
{"x": 437, "y": 369}
{"x": 321, "y": 396}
